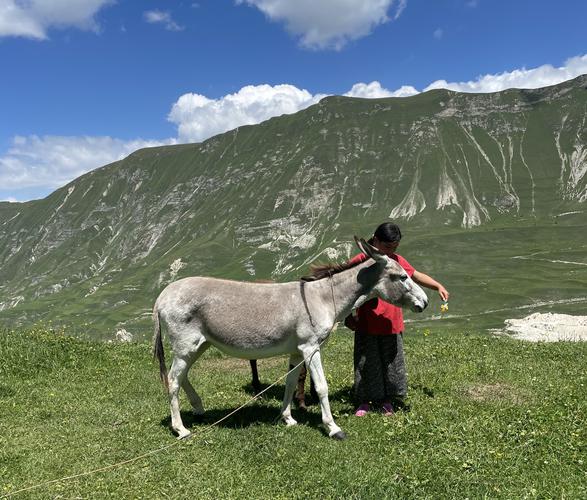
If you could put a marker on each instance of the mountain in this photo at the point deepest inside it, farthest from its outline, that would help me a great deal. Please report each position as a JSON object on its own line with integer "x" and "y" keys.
{"x": 264, "y": 201}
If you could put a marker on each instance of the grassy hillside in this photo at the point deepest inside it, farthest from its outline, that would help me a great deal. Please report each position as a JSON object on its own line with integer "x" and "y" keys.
{"x": 489, "y": 417}
{"x": 493, "y": 272}
{"x": 264, "y": 201}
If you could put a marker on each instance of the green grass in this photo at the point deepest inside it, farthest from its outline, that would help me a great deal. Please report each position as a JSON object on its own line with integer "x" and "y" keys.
{"x": 489, "y": 417}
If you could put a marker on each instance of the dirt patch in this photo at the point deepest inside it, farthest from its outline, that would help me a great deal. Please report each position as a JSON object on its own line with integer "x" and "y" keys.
{"x": 547, "y": 327}
{"x": 495, "y": 392}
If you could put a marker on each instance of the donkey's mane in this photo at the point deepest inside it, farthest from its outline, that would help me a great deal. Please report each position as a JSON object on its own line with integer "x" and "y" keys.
{"x": 319, "y": 271}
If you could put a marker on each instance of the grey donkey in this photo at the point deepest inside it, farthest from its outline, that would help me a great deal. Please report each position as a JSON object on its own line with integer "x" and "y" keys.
{"x": 259, "y": 320}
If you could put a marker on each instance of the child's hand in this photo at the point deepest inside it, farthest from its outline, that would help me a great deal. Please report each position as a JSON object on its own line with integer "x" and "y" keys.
{"x": 443, "y": 292}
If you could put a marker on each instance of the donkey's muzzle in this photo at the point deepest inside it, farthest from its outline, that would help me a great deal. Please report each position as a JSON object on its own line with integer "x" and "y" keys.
{"x": 419, "y": 307}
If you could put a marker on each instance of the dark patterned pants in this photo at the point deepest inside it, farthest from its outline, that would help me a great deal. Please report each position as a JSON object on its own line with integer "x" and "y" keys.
{"x": 380, "y": 368}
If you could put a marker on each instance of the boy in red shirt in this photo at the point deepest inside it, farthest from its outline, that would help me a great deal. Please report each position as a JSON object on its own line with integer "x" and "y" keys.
{"x": 380, "y": 370}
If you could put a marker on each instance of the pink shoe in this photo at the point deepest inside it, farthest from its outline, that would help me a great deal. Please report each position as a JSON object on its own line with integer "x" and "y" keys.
{"x": 387, "y": 410}
{"x": 362, "y": 410}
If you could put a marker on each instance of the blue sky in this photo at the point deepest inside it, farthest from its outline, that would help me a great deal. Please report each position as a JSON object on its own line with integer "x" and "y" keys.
{"x": 86, "y": 82}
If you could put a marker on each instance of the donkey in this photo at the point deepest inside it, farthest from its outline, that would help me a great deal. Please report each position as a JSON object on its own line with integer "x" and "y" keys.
{"x": 252, "y": 321}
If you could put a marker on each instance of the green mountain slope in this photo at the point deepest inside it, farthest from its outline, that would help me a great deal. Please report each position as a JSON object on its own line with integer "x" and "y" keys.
{"x": 264, "y": 201}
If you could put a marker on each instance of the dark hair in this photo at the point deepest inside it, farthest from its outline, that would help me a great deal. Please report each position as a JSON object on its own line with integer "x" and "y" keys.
{"x": 387, "y": 232}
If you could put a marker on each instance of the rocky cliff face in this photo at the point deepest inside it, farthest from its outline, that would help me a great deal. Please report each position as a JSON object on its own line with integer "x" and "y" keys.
{"x": 264, "y": 201}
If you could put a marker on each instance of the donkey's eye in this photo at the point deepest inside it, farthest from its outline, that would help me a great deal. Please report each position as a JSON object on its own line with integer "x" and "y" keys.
{"x": 403, "y": 278}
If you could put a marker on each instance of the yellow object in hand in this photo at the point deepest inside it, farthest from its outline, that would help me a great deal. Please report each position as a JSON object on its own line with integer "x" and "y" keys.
{"x": 444, "y": 307}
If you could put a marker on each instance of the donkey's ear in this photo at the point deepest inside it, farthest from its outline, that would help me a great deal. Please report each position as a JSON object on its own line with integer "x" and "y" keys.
{"x": 369, "y": 250}
{"x": 359, "y": 243}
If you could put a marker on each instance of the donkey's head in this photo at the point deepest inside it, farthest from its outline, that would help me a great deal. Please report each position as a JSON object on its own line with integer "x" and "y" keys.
{"x": 394, "y": 284}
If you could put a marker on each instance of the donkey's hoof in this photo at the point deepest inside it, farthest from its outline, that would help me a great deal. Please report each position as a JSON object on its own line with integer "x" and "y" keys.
{"x": 289, "y": 421}
{"x": 183, "y": 434}
{"x": 339, "y": 436}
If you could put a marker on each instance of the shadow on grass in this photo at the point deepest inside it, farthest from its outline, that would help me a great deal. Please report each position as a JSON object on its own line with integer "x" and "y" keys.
{"x": 245, "y": 417}
{"x": 344, "y": 396}
{"x": 276, "y": 392}
{"x": 258, "y": 413}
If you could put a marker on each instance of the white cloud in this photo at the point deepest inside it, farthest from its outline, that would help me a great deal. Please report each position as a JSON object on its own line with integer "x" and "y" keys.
{"x": 438, "y": 33}
{"x": 52, "y": 161}
{"x": 198, "y": 117}
{"x": 164, "y": 18}
{"x": 374, "y": 90}
{"x": 328, "y": 23}
{"x": 543, "y": 76}
{"x": 33, "y": 18}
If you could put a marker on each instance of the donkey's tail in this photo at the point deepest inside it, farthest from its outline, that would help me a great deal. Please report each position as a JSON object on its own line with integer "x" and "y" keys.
{"x": 158, "y": 352}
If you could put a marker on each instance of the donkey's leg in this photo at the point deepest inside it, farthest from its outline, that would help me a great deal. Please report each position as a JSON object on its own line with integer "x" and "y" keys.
{"x": 300, "y": 394}
{"x": 290, "y": 387}
{"x": 313, "y": 360}
{"x": 182, "y": 360}
{"x": 191, "y": 393}
{"x": 176, "y": 375}
{"x": 255, "y": 382}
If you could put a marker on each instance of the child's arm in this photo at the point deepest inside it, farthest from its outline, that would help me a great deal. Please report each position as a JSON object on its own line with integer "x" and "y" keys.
{"x": 429, "y": 282}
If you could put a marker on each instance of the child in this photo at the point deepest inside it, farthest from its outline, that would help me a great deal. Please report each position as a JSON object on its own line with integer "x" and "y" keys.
{"x": 380, "y": 371}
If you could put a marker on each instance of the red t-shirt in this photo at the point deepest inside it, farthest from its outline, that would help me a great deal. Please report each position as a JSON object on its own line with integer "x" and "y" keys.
{"x": 376, "y": 316}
